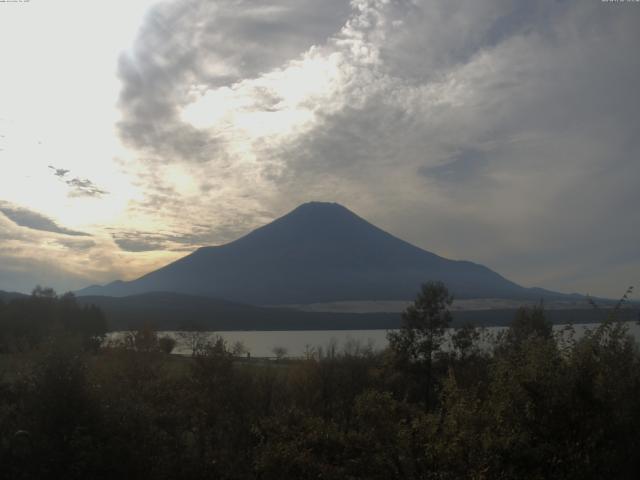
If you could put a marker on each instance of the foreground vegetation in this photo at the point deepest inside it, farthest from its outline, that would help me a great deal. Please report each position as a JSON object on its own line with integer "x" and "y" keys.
{"x": 533, "y": 406}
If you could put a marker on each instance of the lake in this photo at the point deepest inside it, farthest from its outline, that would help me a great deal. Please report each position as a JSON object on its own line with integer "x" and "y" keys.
{"x": 298, "y": 343}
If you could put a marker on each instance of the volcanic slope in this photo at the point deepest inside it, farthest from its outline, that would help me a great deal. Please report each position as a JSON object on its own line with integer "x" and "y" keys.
{"x": 319, "y": 252}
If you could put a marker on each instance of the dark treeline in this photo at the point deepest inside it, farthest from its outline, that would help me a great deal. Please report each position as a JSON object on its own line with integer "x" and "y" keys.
{"x": 27, "y": 321}
{"x": 532, "y": 406}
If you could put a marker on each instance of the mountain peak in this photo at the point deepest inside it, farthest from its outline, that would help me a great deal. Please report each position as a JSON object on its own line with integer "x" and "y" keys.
{"x": 321, "y": 209}
{"x": 318, "y": 206}
{"x": 313, "y": 222}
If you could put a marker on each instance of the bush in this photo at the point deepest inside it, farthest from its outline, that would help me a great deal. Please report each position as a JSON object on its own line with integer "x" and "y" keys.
{"x": 167, "y": 344}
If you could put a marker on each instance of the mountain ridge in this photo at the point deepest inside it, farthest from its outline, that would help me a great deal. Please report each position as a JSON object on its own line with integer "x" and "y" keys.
{"x": 318, "y": 252}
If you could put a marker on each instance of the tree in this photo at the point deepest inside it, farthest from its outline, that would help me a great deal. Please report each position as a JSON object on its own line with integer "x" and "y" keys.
{"x": 167, "y": 344}
{"x": 195, "y": 338}
{"x": 144, "y": 340}
{"x": 464, "y": 339}
{"x": 422, "y": 332}
{"x": 44, "y": 292}
{"x": 529, "y": 322}
{"x": 239, "y": 349}
{"x": 279, "y": 352}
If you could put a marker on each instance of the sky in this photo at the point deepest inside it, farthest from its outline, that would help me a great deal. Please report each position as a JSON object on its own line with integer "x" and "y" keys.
{"x": 501, "y": 132}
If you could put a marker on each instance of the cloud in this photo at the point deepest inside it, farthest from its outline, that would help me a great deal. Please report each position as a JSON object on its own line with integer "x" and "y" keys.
{"x": 77, "y": 245}
{"x": 80, "y": 187}
{"x": 33, "y": 220}
{"x": 59, "y": 172}
{"x": 196, "y": 236}
{"x": 29, "y": 257}
{"x": 492, "y": 130}
{"x": 35, "y": 257}
{"x": 463, "y": 165}
{"x": 22, "y": 275}
{"x": 84, "y": 188}
{"x": 137, "y": 244}
{"x": 219, "y": 43}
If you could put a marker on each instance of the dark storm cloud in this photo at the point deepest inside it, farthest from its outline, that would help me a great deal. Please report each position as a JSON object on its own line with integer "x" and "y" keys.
{"x": 208, "y": 44}
{"x": 30, "y": 219}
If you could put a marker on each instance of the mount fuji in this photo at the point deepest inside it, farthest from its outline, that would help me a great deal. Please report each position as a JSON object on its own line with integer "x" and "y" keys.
{"x": 319, "y": 252}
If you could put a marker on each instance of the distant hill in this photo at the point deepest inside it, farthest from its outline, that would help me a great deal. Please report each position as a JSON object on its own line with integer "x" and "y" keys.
{"x": 174, "y": 311}
{"x": 8, "y": 296}
{"x": 319, "y": 252}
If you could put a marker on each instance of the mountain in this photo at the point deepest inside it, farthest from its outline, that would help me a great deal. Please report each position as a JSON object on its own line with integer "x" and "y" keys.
{"x": 319, "y": 252}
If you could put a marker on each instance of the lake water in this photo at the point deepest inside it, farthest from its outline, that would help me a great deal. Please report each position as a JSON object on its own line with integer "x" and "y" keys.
{"x": 299, "y": 342}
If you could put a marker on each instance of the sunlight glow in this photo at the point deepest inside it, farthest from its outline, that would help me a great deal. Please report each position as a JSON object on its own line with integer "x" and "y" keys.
{"x": 275, "y": 104}
{"x": 59, "y": 105}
